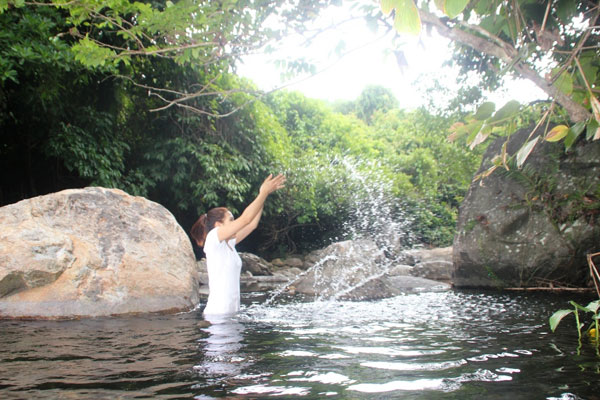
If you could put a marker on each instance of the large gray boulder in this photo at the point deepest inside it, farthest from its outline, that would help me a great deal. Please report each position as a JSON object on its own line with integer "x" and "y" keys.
{"x": 534, "y": 226}
{"x": 93, "y": 252}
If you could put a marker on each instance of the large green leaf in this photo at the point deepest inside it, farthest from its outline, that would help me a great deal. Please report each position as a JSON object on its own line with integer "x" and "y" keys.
{"x": 588, "y": 61}
{"x": 592, "y": 129}
{"x": 557, "y": 317}
{"x": 493, "y": 23}
{"x": 566, "y": 9}
{"x": 480, "y": 137}
{"x": 573, "y": 133}
{"x": 593, "y": 306}
{"x": 485, "y": 111}
{"x": 508, "y": 110}
{"x": 452, "y": 8}
{"x": 483, "y": 6}
{"x": 387, "y": 6}
{"x": 564, "y": 83}
{"x": 407, "y": 18}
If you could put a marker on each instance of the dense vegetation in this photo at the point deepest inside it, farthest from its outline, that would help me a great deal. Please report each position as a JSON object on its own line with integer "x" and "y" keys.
{"x": 143, "y": 96}
{"x": 65, "y": 125}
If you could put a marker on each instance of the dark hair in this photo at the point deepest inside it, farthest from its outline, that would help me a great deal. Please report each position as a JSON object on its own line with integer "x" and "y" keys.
{"x": 206, "y": 223}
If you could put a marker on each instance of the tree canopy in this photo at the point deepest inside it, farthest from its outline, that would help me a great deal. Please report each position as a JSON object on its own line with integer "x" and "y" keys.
{"x": 115, "y": 36}
{"x": 554, "y": 44}
{"x": 143, "y": 96}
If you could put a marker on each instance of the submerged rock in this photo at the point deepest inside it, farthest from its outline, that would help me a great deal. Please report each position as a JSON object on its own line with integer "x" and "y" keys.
{"x": 93, "y": 252}
{"x": 532, "y": 226}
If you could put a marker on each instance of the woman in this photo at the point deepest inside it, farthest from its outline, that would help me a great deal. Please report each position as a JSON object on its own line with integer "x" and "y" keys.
{"x": 218, "y": 232}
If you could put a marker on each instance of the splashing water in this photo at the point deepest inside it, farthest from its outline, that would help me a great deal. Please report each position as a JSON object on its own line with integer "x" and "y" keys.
{"x": 375, "y": 214}
{"x": 376, "y": 232}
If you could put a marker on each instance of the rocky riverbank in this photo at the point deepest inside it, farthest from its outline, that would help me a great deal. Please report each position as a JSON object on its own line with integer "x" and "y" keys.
{"x": 100, "y": 252}
{"x": 353, "y": 270}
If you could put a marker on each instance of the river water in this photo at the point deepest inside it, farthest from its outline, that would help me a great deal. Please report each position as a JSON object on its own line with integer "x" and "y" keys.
{"x": 449, "y": 345}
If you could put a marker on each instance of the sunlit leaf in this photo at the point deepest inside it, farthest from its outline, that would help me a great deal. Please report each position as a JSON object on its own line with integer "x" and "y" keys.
{"x": 557, "y": 133}
{"x": 482, "y": 134}
{"x": 452, "y": 8}
{"x": 485, "y": 173}
{"x": 485, "y": 110}
{"x": 508, "y": 110}
{"x": 557, "y": 317}
{"x": 387, "y": 6}
{"x": 524, "y": 152}
{"x": 407, "y": 18}
{"x": 473, "y": 129}
{"x": 593, "y": 306}
{"x": 456, "y": 131}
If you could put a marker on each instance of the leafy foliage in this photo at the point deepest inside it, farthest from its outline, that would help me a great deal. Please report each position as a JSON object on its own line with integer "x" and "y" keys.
{"x": 552, "y": 44}
{"x": 208, "y": 37}
{"x": 68, "y": 123}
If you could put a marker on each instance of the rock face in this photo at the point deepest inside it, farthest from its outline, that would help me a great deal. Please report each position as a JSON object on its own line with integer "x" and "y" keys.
{"x": 93, "y": 252}
{"x": 533, "y": 226}
{"x": 435, "y": 264}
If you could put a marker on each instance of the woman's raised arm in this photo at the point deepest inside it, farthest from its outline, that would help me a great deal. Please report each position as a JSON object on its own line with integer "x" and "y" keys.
{"x": 254, "y": 209}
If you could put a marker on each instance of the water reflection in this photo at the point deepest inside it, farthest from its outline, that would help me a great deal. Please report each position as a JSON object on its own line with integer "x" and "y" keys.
{"x": 223, "y": 348}
{"x": 424, "y": 346}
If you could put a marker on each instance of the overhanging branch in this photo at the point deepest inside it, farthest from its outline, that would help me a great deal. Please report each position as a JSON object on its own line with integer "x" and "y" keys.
{"x": 504, "y": 51}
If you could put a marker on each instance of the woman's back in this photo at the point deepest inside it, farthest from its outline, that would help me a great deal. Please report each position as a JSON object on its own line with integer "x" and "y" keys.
{"x": 224, "y": 266}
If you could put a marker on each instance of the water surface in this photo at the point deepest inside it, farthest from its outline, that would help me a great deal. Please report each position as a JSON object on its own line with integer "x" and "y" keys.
{"x": 452, "y": 345}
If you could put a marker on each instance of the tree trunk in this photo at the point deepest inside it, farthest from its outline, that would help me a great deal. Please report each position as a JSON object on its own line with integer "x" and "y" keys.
{"x": 507, "y": 53}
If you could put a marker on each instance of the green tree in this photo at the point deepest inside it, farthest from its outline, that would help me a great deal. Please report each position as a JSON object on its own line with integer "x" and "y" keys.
{"x": 512, "y": 37}
{"x": 374, "y": 98}
{"x": 209, "y": 37}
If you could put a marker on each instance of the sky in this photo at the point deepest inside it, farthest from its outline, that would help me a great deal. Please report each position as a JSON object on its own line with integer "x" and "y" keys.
{"x": 368, "y": 61}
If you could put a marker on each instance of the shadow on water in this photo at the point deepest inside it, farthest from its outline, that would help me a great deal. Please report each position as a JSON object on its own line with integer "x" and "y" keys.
{"x": 456, "y": 345}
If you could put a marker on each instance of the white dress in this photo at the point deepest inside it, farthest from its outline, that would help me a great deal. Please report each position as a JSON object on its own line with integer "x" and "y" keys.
{"x": 224, "y": 266}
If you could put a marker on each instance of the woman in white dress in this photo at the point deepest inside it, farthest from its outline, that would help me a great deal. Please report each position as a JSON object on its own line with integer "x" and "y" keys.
{"x": 218, "y": 232}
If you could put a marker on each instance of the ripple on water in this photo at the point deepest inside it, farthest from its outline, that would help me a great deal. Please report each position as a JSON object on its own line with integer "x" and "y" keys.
{"x": 388, "y": 351}
{"x": 331, "y": 378}
{"x": 441, "y": 384}
{"x": 419, "y": 346}
{"x": 404, "y": 366}
{"x": 272, "y": 390}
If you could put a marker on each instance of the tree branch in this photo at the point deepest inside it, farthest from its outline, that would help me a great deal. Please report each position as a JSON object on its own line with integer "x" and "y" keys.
{"x": 508, "y": 54}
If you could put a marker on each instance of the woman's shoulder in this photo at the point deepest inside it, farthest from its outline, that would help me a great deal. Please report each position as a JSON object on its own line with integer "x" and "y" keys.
{"x": 212, "y": 238}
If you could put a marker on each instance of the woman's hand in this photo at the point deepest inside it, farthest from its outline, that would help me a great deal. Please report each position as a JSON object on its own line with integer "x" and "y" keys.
{"x": 272, "y": 184}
